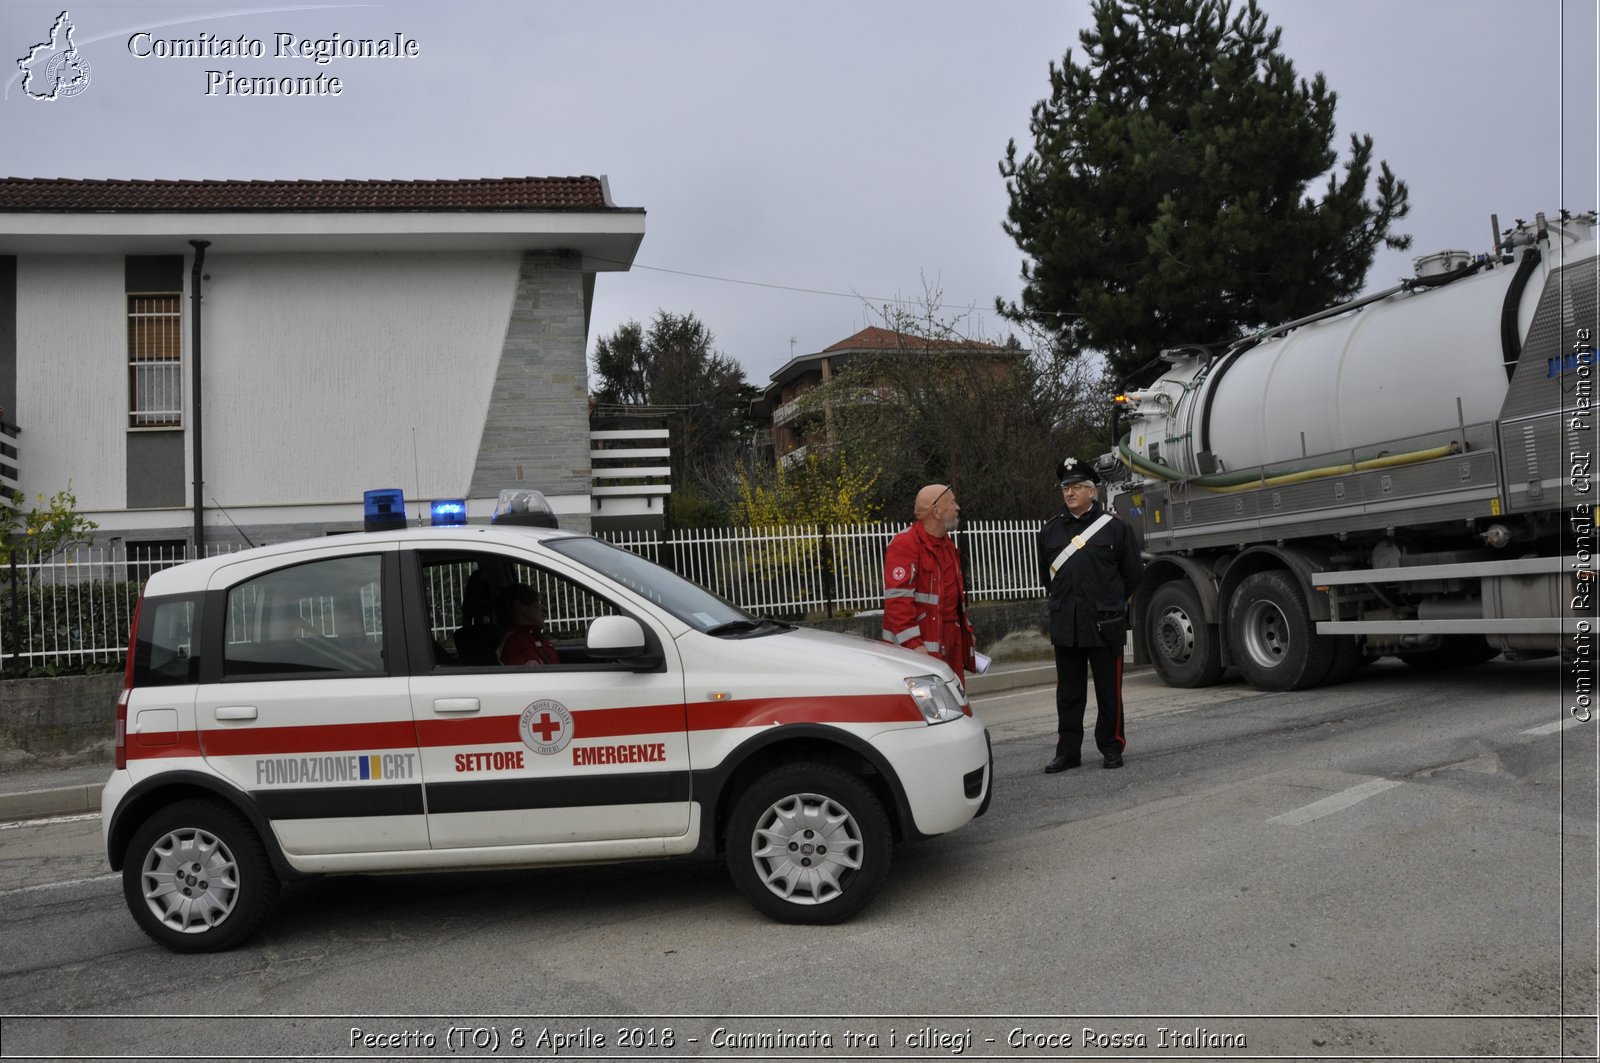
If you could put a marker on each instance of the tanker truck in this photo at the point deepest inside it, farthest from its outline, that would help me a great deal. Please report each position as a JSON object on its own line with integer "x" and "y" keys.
{"x": 1408, "y": 474}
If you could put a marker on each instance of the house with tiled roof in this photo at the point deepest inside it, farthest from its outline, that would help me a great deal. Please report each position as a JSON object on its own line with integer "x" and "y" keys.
{"x": 797, "y": 426}
{"x": 212, "y": 360}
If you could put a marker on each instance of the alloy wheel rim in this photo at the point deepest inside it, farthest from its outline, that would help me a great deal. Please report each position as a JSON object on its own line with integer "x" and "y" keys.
{"x": 806, "y": 848}
{"x": 190, "y": 880}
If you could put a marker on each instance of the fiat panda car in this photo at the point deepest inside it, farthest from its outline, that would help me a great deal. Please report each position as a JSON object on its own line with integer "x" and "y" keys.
{"x": 346, "y": 705}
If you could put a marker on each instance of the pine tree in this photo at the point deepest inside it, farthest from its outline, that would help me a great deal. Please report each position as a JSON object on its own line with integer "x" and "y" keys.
{"x": 1165, "y": 200}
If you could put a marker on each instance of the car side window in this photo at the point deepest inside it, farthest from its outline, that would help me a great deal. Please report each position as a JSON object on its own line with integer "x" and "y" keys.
{"x": 496, "y": 611}
{"x": 322, "y": 619}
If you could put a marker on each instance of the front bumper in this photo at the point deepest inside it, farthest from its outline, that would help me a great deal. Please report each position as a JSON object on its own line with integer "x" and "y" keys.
{"x": 935, "y": 765}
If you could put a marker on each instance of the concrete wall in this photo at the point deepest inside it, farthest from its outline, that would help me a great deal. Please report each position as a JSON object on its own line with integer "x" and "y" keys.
{"x": 44, "y": 719}
{"x": 1006, "y": 631}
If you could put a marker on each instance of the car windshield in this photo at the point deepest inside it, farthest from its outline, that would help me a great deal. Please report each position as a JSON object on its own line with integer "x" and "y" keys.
{"x": 689, "y": 602}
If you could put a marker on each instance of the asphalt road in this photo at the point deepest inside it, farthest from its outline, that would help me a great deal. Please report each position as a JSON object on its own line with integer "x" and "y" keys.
{"x": 1402, "y": 865}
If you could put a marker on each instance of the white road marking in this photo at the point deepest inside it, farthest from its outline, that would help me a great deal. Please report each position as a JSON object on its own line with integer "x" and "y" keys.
{"x": 113, "y": 876}
{"x": 1337, "y": 803}
{"x": 79, "y": 818}
{"x": 1552, "y": 728}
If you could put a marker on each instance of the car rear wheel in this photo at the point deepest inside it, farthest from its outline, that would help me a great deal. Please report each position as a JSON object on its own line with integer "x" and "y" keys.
{"x": 809, "y": 843}
{"x": 196, "y": 877}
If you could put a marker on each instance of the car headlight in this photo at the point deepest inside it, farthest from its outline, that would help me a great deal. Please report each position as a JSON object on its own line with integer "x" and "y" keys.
{"x": 934, "y": 698}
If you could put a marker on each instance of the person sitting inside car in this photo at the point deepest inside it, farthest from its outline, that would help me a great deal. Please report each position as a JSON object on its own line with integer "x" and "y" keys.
{"x": 525, "y": 642}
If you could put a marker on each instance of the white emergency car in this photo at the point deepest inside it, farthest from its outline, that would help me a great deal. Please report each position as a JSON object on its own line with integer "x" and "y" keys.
{"x": 340, "y": 705}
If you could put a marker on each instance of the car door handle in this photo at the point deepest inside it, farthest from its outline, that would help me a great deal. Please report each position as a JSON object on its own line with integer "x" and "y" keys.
{"x": 236, "y": 712}
{"x": 455, "y": 705}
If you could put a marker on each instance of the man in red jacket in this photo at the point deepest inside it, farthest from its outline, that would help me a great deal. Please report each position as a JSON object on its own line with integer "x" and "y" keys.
{"x": 924, "y": 605}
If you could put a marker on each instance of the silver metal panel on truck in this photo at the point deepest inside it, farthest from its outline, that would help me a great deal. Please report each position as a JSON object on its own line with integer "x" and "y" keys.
{"x": 1455, "y": 487}
{"x": 1547, "y": 427}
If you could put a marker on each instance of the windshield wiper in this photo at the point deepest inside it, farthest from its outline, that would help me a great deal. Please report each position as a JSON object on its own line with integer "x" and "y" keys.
{"x": 747, "y": 627}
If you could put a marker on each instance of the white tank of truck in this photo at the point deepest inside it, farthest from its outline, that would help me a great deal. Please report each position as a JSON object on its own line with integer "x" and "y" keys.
{"x": 1402, "y": 475}
{"x": 1424, "y": 356}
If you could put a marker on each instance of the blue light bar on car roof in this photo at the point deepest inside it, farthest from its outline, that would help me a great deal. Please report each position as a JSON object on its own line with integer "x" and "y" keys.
{"x": 384, "y": 509}
{"x": 448, "y": 512}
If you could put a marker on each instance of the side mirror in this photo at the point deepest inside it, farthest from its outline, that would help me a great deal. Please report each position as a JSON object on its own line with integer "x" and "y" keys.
{"x": 619, "y": 637}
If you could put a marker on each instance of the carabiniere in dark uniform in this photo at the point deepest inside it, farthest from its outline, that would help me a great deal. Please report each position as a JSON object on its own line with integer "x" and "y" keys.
{"x": 1088, "y": 597}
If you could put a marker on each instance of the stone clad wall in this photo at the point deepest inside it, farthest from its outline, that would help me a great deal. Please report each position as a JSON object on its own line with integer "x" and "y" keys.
{"x": 537, "y": 431}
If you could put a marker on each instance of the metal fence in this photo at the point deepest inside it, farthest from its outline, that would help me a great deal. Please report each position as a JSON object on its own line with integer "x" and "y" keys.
{"x": 75, "y": 610}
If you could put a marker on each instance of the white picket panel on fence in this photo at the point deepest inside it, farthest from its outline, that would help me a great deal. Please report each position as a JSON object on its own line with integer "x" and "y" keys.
{"x": 75, "y": 610}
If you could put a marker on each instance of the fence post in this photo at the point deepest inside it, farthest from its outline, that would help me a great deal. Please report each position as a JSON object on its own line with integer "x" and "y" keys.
{"x": 830, "y": 587}
{"x": 669, "y": 550}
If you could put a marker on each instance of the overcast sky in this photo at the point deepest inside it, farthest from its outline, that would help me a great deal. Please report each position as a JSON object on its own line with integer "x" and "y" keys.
{"x": 835, "y": 148}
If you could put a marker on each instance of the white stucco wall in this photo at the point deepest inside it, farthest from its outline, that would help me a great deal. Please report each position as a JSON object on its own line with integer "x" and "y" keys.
{"x": 324, "y": 374}
{"x": 72, "y": 377}
{"x": 327, "y": 375}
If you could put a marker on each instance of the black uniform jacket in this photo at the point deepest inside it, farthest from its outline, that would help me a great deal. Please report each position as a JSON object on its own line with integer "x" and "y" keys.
{"x": 1095, "y": 583}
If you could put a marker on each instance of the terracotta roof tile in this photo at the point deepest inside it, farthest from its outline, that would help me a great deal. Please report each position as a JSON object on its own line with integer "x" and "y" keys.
{"x": 873, "y": 338}
{"x": 484, "y": 194}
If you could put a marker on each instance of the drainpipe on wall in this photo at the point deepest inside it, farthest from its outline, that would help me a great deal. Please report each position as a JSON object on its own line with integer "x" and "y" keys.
{"x": 199, "y": 479}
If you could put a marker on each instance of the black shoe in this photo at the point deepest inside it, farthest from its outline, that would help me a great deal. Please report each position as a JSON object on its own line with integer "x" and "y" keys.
{"x": 1113, "y": 760}
{"x": 1061, "y": 764}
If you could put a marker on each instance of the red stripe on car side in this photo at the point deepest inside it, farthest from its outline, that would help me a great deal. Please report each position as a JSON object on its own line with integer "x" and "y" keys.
{"x": 323, "y": 738}
{"x": 501, "y": 730}
{"x": 765, "y": 712}
{"x": 173, "y": 744}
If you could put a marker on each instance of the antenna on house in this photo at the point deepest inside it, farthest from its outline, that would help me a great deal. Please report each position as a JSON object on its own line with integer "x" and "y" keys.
{"x": 792, "y": 341}
{"x": 236, "y": 528}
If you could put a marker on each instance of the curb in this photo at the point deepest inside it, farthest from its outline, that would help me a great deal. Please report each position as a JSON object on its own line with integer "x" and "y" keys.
{"x": 997, "y": 680}
{"x": 55, "y": 801}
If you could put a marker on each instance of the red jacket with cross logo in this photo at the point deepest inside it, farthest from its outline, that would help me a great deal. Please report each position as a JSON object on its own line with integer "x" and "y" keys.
{"x": 923, "y": 606}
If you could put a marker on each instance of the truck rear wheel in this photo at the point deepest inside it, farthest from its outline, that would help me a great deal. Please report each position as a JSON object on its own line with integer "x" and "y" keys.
{"x": 1344, "y": 661}
{"x": 1184, "y": 649}
{"x": 1274, "y": 641}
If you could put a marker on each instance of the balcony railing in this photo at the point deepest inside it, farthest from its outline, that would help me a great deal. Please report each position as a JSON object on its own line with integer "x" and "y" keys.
{"x": 793, "y": 410}
{"x": 629, "y": 473}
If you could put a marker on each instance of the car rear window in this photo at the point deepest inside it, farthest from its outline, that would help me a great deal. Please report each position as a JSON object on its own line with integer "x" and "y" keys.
{"x": 164, "y": 650}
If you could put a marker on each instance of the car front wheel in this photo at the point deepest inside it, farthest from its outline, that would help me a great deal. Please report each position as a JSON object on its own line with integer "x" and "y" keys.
{"x": 809, "y": 843}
